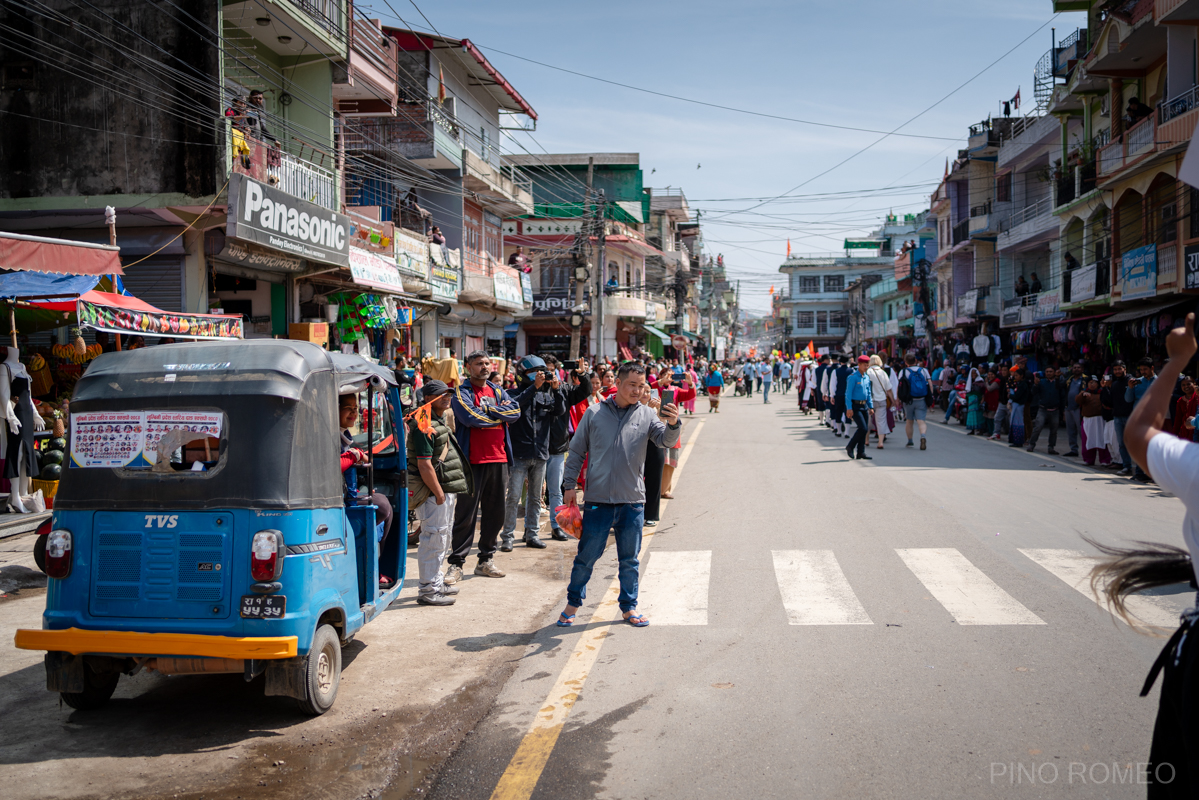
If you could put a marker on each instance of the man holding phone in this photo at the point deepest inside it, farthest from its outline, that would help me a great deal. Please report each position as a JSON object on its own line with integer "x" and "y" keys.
{"x": 612, "y": 437}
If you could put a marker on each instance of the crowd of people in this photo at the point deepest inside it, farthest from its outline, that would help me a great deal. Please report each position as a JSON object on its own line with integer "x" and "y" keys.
{"x": 532, "y": 438}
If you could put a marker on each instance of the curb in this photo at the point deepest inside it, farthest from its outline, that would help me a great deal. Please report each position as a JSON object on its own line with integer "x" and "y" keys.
{"x": 21, "y": 524}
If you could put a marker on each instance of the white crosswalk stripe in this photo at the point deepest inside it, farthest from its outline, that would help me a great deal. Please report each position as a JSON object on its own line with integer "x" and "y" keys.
{"x": 967, "y": 594}
{"x": 815, "y": 591}
{"x": 1074, "y": 567}
{"x": 674, "y": 586}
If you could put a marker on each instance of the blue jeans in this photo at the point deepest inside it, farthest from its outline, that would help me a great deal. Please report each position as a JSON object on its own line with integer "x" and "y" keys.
{"x": 625, "y": 520}
{"x": 766, "y": 392}
{"x": 953, "y": 397}
{"x": 534, "y": 470}
{"x": 553, "y": 485}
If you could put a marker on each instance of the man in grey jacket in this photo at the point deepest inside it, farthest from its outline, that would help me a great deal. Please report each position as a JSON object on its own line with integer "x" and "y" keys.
{"x": 612, "y": 436}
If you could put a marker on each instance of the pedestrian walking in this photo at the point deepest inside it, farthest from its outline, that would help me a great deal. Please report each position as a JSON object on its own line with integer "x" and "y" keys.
{"x": 578, "y": 390}
{"x": 714, "y": 383}
{"x": 785, "y": 369}
{"x": 1019, "y": 394}
{"x": 612, "y": 437}
{"x": 860, "y": 399}
{"x": 1049, "y": 394}
{"x": 439, "y": 472}
{"x": 836, "y": 394}
{"x": 1002, "y": 417}
{"x": 975, "y": 389}
{"x": 482, "y": 411}
{"x": 915, "y": 392}
{"x": 766, "y": 380}
{"x": 820, "y": 390}
{"x": 883, "y": 407}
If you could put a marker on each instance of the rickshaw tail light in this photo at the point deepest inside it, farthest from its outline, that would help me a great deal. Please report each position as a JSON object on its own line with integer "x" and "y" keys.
{"x": 58, "y": 554}
{"x": 266, "y": 556}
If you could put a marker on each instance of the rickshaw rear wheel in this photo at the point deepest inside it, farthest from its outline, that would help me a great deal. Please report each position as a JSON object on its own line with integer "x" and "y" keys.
{"x": 323, "y": 673}
{"x": 97, "y": 689}
{"x": 39, "y": 551}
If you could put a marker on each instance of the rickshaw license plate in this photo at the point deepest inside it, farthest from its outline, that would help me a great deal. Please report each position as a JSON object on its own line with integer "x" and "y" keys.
{"x": 263, "y": 606}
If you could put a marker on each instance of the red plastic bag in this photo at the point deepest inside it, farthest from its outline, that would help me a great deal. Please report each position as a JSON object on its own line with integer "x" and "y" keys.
{"x": 570, "y": 519}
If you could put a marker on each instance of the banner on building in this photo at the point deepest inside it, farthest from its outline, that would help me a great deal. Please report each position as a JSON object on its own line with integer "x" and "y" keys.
{"x": 369, "y": 269}
{"x": 1049, "y": 306}
{"x": 273, "y": 218}
{"x": 1138, "y": 273}
{"x": 149, "y": 321}
{"x": 1082, "y": 283}
{"x": 1191, "y": 267}
{"x": 508, "y": 291}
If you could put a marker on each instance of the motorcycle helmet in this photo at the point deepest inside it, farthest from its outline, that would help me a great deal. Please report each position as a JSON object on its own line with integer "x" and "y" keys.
{"x": 531, "y": 364}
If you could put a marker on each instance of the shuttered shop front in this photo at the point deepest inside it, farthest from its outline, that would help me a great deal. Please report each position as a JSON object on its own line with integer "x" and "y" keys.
{"x": 158, "y": 280}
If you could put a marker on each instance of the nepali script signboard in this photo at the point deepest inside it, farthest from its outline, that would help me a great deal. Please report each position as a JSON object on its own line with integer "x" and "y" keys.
{"x": 1138, "y": 273}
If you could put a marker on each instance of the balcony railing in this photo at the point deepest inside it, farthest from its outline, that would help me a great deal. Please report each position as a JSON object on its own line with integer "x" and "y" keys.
{"x": 981, "y": 211}
{"x": 1180, "y": 105}
{"x": 1140, "y": 137}
{"x": 1031, "y": 212}
{"x": 327, "y": 14}
{"x": 376, "y": 47}
{"x": 300, "y": 175}
{"x": 1111, "y": 158}
{"x": 961, "y": 231}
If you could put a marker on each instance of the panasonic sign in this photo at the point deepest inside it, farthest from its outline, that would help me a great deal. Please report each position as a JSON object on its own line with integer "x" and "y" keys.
{"x": 267, "y": 216}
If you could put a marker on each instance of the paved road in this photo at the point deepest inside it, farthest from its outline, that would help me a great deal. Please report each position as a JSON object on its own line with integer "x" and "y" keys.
{"x": 906, "y": 627}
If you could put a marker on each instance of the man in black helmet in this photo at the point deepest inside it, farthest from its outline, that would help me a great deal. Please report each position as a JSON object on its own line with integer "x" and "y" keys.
{"x": 537, "y": 393}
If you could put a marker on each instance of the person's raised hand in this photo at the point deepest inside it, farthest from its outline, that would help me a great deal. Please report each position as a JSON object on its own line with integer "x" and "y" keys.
{"x": 539, "y": 381}
{"x": 1180, "y": 342}
{"x": 670, "y": 413}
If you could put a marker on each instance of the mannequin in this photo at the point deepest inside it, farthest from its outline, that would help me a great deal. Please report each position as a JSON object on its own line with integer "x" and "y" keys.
{"x": 23, "y": 419}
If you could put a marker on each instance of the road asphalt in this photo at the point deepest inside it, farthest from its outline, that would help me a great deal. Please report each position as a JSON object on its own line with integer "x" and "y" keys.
{"x": 906, "y": 627}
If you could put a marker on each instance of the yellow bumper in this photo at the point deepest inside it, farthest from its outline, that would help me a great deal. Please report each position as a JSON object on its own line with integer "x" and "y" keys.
{"x": 77, "y": 641}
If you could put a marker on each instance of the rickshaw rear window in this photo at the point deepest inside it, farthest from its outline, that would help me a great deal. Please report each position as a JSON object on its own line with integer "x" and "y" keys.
{"x": 148, "y": 441}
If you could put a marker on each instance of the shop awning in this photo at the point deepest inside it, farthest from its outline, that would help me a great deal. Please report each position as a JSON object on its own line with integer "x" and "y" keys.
{"x": 1145, "y": 311}
{"x": 117, "y": 313}
{"x": 41, "y": 254}
{"x": 656, "y": 332}
{"x": 43, "y": 285}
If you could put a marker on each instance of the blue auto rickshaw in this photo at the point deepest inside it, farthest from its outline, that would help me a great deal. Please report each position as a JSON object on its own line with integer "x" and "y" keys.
{"x": 202, "y": 525}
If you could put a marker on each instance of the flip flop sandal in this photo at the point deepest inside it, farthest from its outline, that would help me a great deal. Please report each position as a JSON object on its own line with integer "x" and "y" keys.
{"x": 637, "y": 620}
{"x": 565, "y": 621}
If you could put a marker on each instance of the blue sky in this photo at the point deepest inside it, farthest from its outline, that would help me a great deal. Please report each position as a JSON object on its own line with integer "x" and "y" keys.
{"x": 863, "y": 63}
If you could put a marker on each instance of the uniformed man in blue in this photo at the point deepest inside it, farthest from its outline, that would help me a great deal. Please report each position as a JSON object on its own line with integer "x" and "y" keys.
{"x": 859, "y": 402}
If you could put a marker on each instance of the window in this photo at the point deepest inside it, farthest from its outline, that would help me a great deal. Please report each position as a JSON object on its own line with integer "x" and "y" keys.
{"x": 1003, "y": 188}
{"x": 834, "y": 283}
{"x": 837, "y": 319}
{"x": 805, "y": 320}
{"x": 821, "y": 323}
{"x": 555, "y": 274}
{"x": 1167, "y": 223}
{"x": 809, "y": 284}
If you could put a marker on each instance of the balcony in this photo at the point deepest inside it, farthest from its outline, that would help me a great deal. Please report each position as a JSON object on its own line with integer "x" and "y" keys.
{"x": 1176, "y": 11}
{"x": 366, "y": 85}
{"x": 509, "y": 195}
{"x": 420, "y": 132}
{"x": 631, "y": 307}
{"x": 1028, "y": 223}
{"x": 309, "y": 176}
{"x": 961, "y": 232}
{"x": 1026, "y": 136}
{"x": 1140, "y": 140}
{"x": 326, "y": 15}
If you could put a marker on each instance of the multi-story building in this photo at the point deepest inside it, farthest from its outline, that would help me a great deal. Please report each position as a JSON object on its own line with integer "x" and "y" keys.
{"x": 817, "y": 295}
{"x": 565, "y": 222}
{"x": 210, "y": 184}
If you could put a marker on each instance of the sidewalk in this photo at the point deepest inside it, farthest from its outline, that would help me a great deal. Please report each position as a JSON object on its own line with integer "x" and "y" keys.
{"x": 18, "y": 524}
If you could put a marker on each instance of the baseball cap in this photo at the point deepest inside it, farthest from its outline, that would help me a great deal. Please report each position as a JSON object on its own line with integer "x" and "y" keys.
{"x": 433, "y": 389}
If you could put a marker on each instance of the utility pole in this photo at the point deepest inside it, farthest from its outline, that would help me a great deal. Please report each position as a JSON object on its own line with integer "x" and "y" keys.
{"x": 579, "y": 274}
{"x": 598, "y": 311}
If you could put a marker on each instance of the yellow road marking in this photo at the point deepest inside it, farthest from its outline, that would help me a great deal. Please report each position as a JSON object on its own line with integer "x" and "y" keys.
{"x": 524, "y": 770}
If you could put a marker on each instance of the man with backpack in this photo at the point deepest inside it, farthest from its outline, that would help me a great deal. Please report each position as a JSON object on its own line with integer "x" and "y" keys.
{"x": 915, "y": 392}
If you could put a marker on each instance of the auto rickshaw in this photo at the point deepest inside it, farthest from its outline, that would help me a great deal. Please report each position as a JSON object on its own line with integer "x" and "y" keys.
{"x": 202, "y": 523}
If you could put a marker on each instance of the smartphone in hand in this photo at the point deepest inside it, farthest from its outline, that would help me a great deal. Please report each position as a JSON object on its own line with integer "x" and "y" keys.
{"x": 667, "y": 399}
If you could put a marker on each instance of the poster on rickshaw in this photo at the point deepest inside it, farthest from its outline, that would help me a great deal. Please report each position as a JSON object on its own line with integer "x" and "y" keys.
{"x": 106, "y": 438}
{"x": 159, "y": 423}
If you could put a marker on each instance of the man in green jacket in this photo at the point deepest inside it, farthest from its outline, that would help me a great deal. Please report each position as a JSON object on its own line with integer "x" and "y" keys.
{"x": 438, "y": 471}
